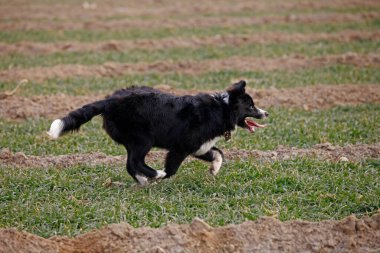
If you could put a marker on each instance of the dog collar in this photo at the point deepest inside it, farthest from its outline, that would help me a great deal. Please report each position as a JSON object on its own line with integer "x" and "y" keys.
{"x": 227, "y": 135}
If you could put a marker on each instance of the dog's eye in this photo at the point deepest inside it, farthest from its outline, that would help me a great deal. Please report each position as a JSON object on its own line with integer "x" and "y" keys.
{"x": 251, "y": 107}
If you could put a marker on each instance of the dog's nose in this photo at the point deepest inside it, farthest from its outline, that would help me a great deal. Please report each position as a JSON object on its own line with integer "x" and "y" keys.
{"x": 266, "y": 114}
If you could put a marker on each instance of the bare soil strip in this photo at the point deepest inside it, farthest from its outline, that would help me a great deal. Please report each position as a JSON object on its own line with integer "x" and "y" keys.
{"x": 307, "y": 98}
{"x": 25, "y": 10}
{"x": 113, "y": 69}
{"x": 325, "y": 151}
{"x": 122, "y": 24}
{"x": 37, "y": 48}
{"x": 267, "y": 234}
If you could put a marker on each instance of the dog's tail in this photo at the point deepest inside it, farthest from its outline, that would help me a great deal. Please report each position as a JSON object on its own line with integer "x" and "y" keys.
{"x": 76, "y": 118}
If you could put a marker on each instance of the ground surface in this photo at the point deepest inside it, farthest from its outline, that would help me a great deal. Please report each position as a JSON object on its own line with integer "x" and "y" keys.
{"x": 312, "y": 64}
{"x": 264, "y": 235}
{"x": 319, "y": 151}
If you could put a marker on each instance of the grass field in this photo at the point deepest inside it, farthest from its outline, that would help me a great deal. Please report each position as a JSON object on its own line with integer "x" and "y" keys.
{"x": 336, "y": 74}
{"x": 340, "y": 126}
{"x": 70, "y": 201}
{"x": 74, "y": 200}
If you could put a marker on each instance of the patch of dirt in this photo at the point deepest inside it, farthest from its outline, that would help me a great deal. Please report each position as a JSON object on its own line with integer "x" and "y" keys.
{"x": 165, "y": 22}
{"x": 307, "y": 98}
{"x": 324, "y": 151}
{"x": 17, "y": 107}
{"x": 112, "y": 69}
{"x": 317, "y": 97}
{"x": 37, "y": 48}
{"x": 267, "y": 234}
{"x": 20, "y": 160}
{"x": 27, "y": 10}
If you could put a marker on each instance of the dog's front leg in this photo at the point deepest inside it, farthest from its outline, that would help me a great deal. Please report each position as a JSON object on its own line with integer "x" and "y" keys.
{"x": 173, "y": 161}
{"x": 216, "y": 157}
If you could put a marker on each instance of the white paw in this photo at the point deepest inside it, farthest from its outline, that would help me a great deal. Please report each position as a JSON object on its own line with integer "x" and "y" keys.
{"x": 216, "y": 164}
{"x": 143, "y": 180}
{"x": 160, "y": 174}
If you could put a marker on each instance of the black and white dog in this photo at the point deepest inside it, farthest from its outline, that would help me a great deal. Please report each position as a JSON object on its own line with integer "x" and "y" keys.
{"x": 141, "y": 118}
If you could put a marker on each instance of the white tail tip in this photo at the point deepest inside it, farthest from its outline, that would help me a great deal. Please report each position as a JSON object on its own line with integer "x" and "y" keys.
{"x": 56, "y": 129}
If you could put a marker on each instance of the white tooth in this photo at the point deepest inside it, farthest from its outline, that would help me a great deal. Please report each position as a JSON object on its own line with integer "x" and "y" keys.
{"x": 259, "y": 125}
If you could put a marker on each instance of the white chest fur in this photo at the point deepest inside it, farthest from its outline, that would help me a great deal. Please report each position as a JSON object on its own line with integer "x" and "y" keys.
{"x": 206, "y": 147}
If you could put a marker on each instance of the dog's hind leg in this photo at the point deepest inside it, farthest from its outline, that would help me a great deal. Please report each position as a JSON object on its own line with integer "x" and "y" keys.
{"x": 136, "y": 167}
{"x": 131, "y": 168}
{"x": 173, "y": 161}
{"x": 216, "y": 157}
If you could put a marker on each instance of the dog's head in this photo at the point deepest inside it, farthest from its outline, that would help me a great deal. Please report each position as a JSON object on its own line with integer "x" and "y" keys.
{"x": 244, "y": 108}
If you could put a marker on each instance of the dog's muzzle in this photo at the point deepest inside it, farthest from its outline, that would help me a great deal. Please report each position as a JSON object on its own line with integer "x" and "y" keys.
{"x": 251, "y": 125}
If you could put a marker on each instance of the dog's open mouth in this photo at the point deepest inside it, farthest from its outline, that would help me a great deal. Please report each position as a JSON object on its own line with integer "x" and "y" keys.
{"x": 250, "y": 125}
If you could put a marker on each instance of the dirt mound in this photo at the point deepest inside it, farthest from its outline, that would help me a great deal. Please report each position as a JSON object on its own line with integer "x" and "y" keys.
{"x": 264, "y": 235}
{"x": 20, "y": 160}
{"x": 317, "y": 97}
{"x": 164, "y": 22}
{"x": 310, "y": 97}
{"x": 325, "y": 151}
{"x": 17, "y": 107}
{"x": 26, "y": 10}
{"x": 113, "y": 69}
{"x": 36, "y": 48}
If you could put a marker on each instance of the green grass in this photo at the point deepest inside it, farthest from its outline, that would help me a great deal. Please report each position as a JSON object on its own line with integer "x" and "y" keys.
{"x": 74, "y": 200}
{"x": 298, "y": 128}
{"x": 250, "y": 12}
{"x": 311, "y": 49}
{"x": 246, "y": 12}
{"x": 157, "y": 33}
{"x": 334, "y": 74}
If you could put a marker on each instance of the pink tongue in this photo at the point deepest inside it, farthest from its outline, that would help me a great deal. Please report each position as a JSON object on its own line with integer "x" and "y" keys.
{"x": 252, "y": 124}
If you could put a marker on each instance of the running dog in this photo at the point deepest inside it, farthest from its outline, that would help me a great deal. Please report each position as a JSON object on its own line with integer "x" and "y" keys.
{"x": 141, "y": 118}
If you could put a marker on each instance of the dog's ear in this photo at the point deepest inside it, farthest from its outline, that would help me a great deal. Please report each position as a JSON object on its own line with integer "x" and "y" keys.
{"x": 237, "y": 88}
